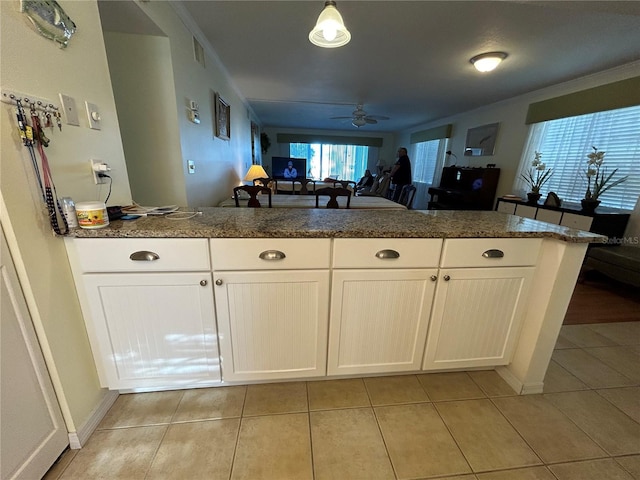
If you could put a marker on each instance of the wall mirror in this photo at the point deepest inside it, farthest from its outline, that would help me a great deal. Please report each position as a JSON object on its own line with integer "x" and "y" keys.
{"x": 481, "y": 141}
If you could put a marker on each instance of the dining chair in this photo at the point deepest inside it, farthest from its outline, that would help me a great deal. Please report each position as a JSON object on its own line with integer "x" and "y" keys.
{"x": 304, "y": 186}
{"x": 266, "y": 182}
{"x": 253, "y": 191}
{"x": 406, "y": 195}
{"x": 346, "y": 184}
{"x": 333, "y": 193}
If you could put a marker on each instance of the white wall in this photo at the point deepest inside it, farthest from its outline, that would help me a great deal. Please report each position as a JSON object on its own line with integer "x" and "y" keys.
{"x": 511, "y": 115}
{"x": 220, "y": 164}
{"x": 142, "y": 76}
{"x": 31, "y": 64}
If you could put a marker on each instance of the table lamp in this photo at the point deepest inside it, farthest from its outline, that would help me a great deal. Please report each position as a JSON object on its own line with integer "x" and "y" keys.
{"x": 255, "y": 171}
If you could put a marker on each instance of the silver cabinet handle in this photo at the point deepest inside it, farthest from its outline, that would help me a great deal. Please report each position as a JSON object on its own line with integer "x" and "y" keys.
{"x": 203, "y": 283}
{"x": 493, "y": 253}
{"x": 219, "y": 282}
{"x": 434, "y": 278}
{"x": 387, "y": 254}
{"x": 272, "y": 255}
{"x": 446, "y": 278}
{"x": 144, "y": 256}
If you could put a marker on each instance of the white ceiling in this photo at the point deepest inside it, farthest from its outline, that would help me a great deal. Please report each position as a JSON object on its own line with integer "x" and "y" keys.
{"x": 408, "y": 60}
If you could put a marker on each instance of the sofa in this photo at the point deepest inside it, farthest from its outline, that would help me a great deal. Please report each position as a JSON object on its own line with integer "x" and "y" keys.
{"x": 621, "y": 263}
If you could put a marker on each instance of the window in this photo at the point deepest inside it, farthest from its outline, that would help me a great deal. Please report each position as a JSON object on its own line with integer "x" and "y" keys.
{"x": 565, "y": 143}
{"x": 427, "y": 159}
{"x": 426, "y": 156}
{"x": 345, "y": 162}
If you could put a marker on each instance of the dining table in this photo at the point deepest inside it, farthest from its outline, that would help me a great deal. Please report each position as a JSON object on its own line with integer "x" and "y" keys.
{"x": 309, "y": 201}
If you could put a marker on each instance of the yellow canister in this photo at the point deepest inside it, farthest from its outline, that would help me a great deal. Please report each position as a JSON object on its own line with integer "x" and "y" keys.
{"x": 92, "y": 214}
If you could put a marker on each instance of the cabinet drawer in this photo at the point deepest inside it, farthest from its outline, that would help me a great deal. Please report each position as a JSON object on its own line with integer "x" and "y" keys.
{"x": 386, "y": 253}
{"x": 270, "y": 253}
{"x": 490, "y": 252}
{"x": 115, "y": 254}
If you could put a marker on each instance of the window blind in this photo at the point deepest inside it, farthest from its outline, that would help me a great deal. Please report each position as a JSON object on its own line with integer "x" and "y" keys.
{"x": 565, "y": 143}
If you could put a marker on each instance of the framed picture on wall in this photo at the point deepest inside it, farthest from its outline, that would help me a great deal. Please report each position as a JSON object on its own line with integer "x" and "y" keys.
{"x": 481, "y": 141}
{"x": 223, "y": 118}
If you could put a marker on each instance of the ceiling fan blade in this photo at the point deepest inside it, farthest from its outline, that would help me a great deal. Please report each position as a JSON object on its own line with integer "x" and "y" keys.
{"x": 340, "y": 118}
{"x": 370, "y": 120}
{"x": 378, "y": 117}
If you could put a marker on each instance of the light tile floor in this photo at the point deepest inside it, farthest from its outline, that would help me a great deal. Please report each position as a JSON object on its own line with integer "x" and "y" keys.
{"x": 451, "y": 426}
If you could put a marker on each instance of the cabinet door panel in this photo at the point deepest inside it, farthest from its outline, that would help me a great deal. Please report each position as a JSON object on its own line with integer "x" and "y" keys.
{"x": 579, "y": 222}
{"x": 153, "y": 330}
{"x": 476, "y": 317}
{"x": 273, "y": 325}
{"x": 379, "y": 320}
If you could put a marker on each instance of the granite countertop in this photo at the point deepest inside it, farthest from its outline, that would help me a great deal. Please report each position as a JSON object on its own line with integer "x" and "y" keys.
{"x": 214, "y": 222}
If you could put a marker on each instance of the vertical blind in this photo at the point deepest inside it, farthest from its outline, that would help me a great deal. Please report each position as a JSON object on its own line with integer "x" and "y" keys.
{"x": 346, "y": 162}
{"x": 565, "y": 143}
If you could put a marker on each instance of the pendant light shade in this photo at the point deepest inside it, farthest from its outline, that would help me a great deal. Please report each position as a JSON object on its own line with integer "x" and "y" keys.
{"x": 329, "y": 31}
{"x": 487, "y": 62}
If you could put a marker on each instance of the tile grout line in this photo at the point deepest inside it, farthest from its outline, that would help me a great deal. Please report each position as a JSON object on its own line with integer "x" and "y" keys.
{"x": 384, "y": 442}
{"x": 235, "y": 447}
{"x": 155, "y": 453}
{"x": 313, "y": 464}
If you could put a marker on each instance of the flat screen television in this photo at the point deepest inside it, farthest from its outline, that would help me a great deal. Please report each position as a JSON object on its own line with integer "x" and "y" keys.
{"x": 280, "y": 168}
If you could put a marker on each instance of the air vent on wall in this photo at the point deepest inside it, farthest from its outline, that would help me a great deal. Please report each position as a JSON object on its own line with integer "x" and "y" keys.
{"x": 198, "y": 52}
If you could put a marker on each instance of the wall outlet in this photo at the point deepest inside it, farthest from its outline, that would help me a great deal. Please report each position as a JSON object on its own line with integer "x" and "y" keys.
{"x": 98, "y": 166}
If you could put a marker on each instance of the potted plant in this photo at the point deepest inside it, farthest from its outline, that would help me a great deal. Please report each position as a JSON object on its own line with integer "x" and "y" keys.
{"x": 265, "y": 143}
{"x": 536, "y": 177}
{"x": 600, "y": 180}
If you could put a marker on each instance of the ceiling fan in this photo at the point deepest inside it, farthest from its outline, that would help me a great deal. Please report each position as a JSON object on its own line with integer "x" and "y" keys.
{"x": 360, "y": 118}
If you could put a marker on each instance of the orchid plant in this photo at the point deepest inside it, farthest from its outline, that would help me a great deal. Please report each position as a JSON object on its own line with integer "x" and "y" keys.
{"x": 538, "y": 175}
{"x": 597, "y": 174}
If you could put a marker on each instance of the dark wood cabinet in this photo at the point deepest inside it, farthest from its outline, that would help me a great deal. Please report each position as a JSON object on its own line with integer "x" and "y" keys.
{"x": 465, "y": 188}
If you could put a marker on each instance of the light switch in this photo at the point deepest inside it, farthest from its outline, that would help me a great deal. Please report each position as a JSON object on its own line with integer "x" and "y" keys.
{"x": 70, "y": 110}
{"x": 191, "y": 166}
{"x": 93, "y": 114}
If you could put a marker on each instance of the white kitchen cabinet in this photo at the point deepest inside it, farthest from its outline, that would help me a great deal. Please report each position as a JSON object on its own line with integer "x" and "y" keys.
{"x": 379, "y": 306}
{"x": 150, "y": 325}
{"x": 272, "y": 302}
{"x": 478, "y": 312}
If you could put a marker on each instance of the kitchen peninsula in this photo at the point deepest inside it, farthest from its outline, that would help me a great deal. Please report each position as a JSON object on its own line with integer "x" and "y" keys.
{"x": 252, "y": 295}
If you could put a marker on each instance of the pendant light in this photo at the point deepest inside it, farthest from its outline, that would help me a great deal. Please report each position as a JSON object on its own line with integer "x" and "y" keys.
{"x": 487, "y": 62}
{"x": 329, "y": 31}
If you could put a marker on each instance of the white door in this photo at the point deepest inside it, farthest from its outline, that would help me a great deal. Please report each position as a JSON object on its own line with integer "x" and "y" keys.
{"x": 379, "y": 320}
{"x": 272, "y": 324}
{"x": 33, "y": 433}
{"x": 477, "y": 314}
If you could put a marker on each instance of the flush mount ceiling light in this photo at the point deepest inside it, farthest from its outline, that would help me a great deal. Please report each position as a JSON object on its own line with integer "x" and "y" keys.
{"x": 486, "y": 62}
{"x": 329, "y": 31}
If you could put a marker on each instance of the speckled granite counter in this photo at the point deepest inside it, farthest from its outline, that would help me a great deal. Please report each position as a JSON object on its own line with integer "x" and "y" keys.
{"x": 320, "y": 223}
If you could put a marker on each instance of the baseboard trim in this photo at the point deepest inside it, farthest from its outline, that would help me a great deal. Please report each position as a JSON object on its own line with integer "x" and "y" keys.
{"x": 516, "y": 384}
{"x": 78, "y": 438}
